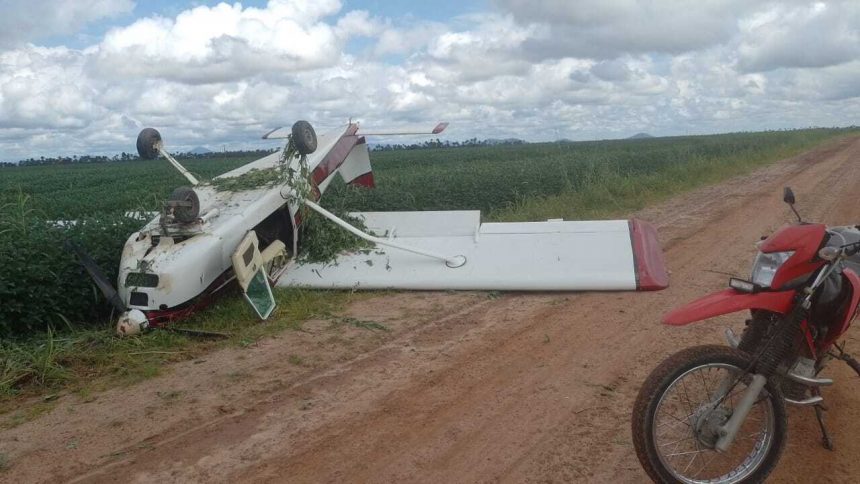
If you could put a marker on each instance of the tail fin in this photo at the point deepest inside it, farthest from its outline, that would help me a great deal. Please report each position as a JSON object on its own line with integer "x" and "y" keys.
{"x": 356, "y": 169}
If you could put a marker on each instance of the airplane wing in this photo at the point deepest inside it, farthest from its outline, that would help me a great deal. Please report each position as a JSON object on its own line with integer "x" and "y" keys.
{"x": 283, "y": 132}
{"x": 403, "y": 131}
{"x": 556, "y": 255}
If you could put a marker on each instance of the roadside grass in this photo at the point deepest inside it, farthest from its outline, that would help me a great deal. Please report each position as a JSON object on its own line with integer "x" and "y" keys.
{"x": 84, "y": 362}
{"x": 609, "y": 193}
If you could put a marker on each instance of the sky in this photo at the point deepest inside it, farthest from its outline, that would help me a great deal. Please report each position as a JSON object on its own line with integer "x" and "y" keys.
{"x": 84, "y": 76}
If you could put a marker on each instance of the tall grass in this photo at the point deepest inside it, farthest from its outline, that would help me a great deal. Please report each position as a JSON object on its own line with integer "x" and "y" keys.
{"x": 91, "y": 359}
{"x": 611, "y": 193}
{"x": 550, "y": 180}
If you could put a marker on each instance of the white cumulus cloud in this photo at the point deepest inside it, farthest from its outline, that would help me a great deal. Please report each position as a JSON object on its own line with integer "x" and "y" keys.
{"x": 223, "y": 74}
{"x": 29, "y": 20}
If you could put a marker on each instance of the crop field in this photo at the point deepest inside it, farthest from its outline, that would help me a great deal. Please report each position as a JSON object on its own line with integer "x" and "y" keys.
{"x": 499, "y": 180}
{"x": 46, "y": 299}
{"x": 569, "y": 180}
{"x": 87, "y": 189}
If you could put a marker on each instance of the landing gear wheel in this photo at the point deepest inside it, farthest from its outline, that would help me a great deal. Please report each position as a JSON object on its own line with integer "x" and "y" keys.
{"x": 189, "y": 209}
{"x": 148, "y": 142}
{"x": 304, "y": 137}
{"x": 675, "y": 425}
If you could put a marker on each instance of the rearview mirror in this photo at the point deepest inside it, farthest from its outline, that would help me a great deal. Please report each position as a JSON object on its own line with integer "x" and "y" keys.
{"x": 788, "y": 196}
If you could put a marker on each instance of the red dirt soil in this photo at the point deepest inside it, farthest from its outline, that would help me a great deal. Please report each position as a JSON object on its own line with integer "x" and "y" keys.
{"x": 465, "y": 387}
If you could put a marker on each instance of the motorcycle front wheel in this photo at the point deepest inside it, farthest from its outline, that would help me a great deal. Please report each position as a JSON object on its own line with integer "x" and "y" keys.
{"x": 676, "y": 420}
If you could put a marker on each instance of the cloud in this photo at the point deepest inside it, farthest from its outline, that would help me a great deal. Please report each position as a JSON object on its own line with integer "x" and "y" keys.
{"x": 407, "y": 40}
{"x": 807, "y": 35}
{"x": 612, "y": 70}
{"x": 226, "y": 73}
{"x": 481, "y": 52}
{"x": 606, "y": 29}
{"x": 46, "y": 89}
{"x": 29, "y": 20}
{"x": 228, "y": 42}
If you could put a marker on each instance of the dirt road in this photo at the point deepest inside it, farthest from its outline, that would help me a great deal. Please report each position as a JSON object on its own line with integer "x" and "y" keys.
{"x": 468, "y": 387}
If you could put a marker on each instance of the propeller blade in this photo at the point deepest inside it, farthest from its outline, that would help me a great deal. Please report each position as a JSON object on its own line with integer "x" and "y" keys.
{"x": 98, "y": 276}
{"x": 200, "y": 333}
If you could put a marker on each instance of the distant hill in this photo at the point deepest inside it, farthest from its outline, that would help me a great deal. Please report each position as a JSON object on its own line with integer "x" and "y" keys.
{"x": 200, "y": 150}
{"x": 640, "y": 136}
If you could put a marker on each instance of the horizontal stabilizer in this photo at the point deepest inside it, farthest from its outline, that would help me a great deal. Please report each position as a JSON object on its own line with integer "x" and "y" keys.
{"x": 413, "y": 131}
{"x": 284, "y": 132}
{"x": 278, "y": 133}
{"x": 611, "y": 255}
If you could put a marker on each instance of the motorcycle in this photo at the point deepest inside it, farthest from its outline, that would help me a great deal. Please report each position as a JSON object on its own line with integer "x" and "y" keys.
{"x": 716, "y": 413}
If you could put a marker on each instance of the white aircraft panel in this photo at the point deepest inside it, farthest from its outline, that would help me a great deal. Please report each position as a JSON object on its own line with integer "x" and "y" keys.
{"x": 422, "y": 224}
{"x": 532, "y": 256}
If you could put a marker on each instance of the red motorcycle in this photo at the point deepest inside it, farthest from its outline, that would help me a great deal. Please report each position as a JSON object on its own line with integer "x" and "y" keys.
{"x": 716, "y": 413}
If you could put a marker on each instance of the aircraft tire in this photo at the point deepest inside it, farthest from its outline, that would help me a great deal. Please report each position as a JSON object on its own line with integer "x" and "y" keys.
{"x": 186, "y": 214}
{"x": 147, "y": 142}
{"x": 304, "y": 137}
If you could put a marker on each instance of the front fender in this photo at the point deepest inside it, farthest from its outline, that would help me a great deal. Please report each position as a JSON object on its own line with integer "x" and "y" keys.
{"x": 729, "y": 301}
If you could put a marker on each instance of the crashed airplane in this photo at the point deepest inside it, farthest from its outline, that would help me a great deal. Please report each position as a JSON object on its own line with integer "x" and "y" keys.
{"x": 211, "y": 235}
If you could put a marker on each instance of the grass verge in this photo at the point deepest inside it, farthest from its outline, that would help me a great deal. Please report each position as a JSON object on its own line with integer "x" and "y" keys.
{"x": 88, "y": 361}
{"x": 610, "y": 193}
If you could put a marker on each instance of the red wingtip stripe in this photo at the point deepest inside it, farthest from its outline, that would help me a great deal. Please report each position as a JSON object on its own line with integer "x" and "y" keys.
{"x": 647, "y": 257}
{"x": 439, "y": 128}
{"x": 365, "y": 180}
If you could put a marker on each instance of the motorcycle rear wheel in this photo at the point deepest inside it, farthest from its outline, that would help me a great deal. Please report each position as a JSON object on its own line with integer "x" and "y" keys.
{"x": 675, "y": 426}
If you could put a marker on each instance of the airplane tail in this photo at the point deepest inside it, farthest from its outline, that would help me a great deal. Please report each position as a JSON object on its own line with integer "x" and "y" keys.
{"x": 356, "y": 169}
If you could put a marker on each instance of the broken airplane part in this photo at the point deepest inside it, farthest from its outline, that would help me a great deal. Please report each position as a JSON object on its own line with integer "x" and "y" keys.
{"x": 207, "y": 238}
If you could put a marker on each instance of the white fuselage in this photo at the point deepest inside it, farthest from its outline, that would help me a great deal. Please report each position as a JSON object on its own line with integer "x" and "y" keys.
{"x": 189, "y": 258}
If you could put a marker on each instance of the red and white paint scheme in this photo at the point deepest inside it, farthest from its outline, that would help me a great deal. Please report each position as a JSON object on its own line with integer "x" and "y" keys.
{"x": 174, "y": 264}
{"x": 555, "y": 255}
{"x": 185, "y": 263}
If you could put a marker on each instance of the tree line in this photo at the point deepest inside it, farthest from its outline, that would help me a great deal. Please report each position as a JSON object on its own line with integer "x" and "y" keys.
{"x": 126, "y": 157}
{"x": 131, "y": 157}
{"x": 437, "y": 143}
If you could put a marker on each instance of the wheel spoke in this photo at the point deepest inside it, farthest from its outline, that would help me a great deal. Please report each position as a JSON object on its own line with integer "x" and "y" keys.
{"x": 688, "y": 453}
{"x": 706, "y": 464}
{"x": 679, "y": 440}
{"x": 689, "y": 405}
{"x": 684, "y": 421}
{"x": 691, "y": 463}
{"x": 705, "y": 384}
{"x": 684, "y": 442}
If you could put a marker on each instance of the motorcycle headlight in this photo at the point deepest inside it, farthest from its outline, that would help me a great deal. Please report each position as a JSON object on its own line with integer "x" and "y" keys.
{"x": 766, "y": 265}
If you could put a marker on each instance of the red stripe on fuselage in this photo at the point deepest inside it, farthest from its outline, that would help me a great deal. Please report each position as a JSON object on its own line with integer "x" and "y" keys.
{"x": 336, "y": 156}
{"x": 331, "y": 162}
{"x": 365, "y": 180}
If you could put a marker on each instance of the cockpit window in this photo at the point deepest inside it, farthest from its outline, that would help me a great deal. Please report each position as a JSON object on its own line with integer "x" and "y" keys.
{"x": 141, "y": 279}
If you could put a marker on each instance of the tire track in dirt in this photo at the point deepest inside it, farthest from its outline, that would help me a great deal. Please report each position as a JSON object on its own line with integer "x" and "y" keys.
{"x": 524, "y": 388}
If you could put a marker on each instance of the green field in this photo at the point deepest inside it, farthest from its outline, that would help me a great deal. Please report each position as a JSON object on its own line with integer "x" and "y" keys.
{"x": 55, "y": 328}
{"x": 75, "y": 190}
{"x": 567, "y": 180}
{"x": 499, "y": 180}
